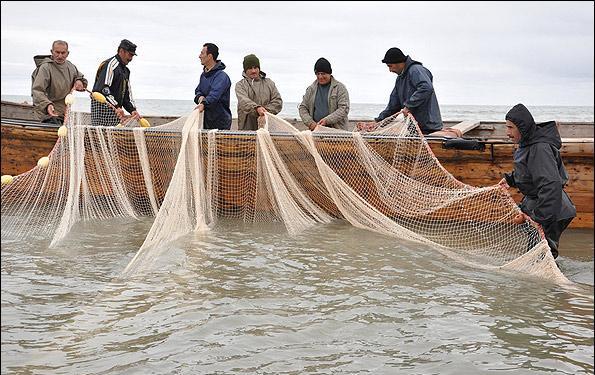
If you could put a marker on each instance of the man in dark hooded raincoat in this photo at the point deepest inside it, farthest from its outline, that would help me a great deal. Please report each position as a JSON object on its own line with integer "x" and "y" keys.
{"x": 539, "y": 173}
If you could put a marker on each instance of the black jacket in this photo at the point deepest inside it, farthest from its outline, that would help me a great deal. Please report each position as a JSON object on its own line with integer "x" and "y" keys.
{"x": 113, "y": 81}
{"x": 538, "y": 169}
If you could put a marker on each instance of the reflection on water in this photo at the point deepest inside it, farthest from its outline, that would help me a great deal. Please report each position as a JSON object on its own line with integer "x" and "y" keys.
{"x": 251, "y": 299}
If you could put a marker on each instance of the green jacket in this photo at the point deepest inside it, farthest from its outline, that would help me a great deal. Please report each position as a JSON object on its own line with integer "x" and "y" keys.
{"x": 252, "y": 94}
{"x": 50, "y": 83}
{"x": 338, "y": 105}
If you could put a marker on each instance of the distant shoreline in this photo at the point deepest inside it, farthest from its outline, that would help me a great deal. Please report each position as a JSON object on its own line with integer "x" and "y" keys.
{"x": 364, "y": 111}
{"x": 28, "y": 99}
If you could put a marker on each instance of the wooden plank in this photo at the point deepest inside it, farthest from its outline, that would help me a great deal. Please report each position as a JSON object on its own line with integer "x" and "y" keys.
{"x": 465, "y": 126}
{"x": 577, "y": 140}
{"x": 456, "y": 131}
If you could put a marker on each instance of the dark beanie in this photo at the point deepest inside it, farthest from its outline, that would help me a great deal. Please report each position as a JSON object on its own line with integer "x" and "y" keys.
{"x": 251, "y": 61}
{"x": 322, "y": 65}
{"x": 394, "y": 56}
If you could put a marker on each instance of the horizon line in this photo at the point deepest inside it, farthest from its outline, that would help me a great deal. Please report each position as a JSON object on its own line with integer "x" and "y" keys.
{"x": 363, "y": 103}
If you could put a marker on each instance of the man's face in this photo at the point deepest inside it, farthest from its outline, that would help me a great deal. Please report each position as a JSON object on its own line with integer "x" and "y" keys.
{"x": 253, "y": 73}
{"x": 204, "y": 56}
{"x": 513, "y": 132}
{"x": 59, "y": 53}
{"x": 323, "y": 78}
{"x": 126, "y": 56}
{"x": 396, "y": 68}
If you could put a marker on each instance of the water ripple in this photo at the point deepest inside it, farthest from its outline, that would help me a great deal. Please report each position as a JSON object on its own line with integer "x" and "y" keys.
{"x": 332, "y": 300}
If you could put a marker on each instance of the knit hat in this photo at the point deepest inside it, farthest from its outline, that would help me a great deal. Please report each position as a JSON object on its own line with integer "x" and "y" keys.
{"x": 394, "y": 56}
{"x": 322, "y": 65}
{"x": 251, "y": 61}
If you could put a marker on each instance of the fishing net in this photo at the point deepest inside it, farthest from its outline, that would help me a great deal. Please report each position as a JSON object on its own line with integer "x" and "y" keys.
{"x": 387, "y": 181}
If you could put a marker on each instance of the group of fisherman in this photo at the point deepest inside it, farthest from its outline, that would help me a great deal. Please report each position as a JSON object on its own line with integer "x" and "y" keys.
{"x": 325, "y": 102}
{"x": 539, "y": 172}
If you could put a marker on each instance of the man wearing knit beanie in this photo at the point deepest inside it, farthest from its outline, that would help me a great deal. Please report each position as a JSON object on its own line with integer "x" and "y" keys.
{"x": 326, "y": 101}
{"x": 413, "y": 92}
{"x": 323, "y": 65}
{"x": 256, "y": 95}
{"x": 251, "y": 61}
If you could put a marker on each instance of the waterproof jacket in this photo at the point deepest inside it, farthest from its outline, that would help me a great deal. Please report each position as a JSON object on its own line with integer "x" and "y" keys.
{"x": 50, "y": 83}
{"x": 538, "y": 169}
{"x": 214, "y": 85}
{"x": 253, "y": 93}
{"x": 338, "y": 105}
{"x": 414, "y": 90}
{"x": 113, "y": 81}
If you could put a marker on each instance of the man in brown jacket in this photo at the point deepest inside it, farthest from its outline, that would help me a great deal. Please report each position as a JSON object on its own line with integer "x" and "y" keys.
{"x": 256, "y": 95}
{"x": 52, "y": 80}
{"x": 326, "y": 101}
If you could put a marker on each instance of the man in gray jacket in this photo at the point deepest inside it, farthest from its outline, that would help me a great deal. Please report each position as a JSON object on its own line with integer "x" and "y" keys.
{"x": 326, "y": 101}
{"x": 51, "y": 81}
{"x": 256, "y": 95}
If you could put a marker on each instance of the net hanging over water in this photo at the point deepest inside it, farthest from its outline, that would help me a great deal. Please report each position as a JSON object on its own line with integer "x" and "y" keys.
{"x": 387, "y": 181}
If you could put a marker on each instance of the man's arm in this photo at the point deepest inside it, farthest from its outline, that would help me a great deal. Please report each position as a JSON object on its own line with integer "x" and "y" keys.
{"x": 423, "y": 87}
{"x": 304, "y": 111}
{"x": 105, "y": 78}
{"x": 275, "y": 105}
{"x": 39, "y": 88}
{"x": 198, "y": 92}
{"x": 338, "y": 116}
{"x": 245, "y": 104}
{"x": 544, "y": 171}
{"x": 220, "y": 85}
{"x": 128, "y": 101}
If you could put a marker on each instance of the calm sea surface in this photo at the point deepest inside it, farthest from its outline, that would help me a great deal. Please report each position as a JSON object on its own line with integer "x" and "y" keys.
{"x": 357, "y": 110}
{"x": 250, "y": 299}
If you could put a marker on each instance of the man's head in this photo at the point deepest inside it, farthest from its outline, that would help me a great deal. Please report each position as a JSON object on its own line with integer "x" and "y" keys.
{"x": 252, "y": 66}
{"x": 323, "y": 71}
{"x": 208, "y": 54}
{"x": 59, "y": 51}
{"x": 520, "y": 124}
{"x": 395, "y": 60}
{"x": 126, "y": 51}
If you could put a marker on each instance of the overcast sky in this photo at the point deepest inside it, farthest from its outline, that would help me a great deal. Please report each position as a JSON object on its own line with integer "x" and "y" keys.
{"x": 498, "y": 53}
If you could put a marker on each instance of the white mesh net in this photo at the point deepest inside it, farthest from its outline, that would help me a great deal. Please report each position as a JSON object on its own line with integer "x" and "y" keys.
{"x": 387, "y": 181}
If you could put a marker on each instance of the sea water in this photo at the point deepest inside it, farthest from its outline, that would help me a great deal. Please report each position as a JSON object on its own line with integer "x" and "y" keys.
{"x": 364, "y": 111}
{"x": 251, "y": 299}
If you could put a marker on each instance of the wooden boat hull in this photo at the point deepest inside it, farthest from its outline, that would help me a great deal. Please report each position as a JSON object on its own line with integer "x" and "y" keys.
{"x": 24, "y": 142}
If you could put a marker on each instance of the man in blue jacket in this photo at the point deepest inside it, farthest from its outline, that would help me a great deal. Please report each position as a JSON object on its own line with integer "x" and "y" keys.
{"x": 213, "y": 90}
{"x": 413, "y": 92}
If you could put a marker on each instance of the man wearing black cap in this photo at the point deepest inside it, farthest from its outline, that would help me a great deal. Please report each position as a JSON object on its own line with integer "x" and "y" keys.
{"x": 113, "y": 81}
{"x": 326, "y": 101}
{"x": 413, "y": 92}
